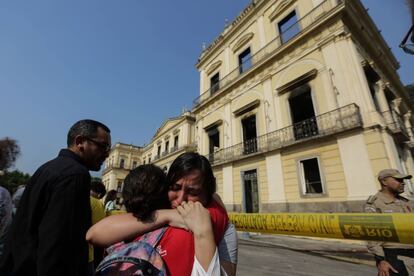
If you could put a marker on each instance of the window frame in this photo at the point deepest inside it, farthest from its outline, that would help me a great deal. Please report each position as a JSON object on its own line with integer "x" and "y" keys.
{"x": 240, "y": 64}
{"x": 286, "y": 18}
{"x": 301, "y": 177}
{"x": 216, "y": 86}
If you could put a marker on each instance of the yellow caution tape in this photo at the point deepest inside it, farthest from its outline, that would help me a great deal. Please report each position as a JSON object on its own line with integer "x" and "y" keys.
{"x": 358, "y": 226}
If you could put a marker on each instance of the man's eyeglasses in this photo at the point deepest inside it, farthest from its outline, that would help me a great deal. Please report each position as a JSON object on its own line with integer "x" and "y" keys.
{"x": 104, "y": 146}
{"x": 408, "y": 48}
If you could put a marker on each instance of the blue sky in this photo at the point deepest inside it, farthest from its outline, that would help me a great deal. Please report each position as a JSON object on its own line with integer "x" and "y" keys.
{"x": 128, "y": 64}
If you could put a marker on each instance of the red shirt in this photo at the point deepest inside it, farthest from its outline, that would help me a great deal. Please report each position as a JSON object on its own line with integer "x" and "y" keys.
{"x": 177, "y": 245}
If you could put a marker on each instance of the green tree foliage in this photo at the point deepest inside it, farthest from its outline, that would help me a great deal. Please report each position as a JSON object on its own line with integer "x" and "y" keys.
{"x": 9, "y": 151}
{"x": 11, "y": 180}
{"x": 94, "y": 178}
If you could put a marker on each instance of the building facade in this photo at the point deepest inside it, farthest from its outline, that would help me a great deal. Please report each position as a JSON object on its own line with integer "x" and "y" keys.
{"x": 300, "y": 106}
{"x": 175, "y": 136}
{"x": 121, "y": 160}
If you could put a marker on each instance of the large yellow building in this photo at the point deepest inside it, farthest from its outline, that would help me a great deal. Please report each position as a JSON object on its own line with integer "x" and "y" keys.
{"x": 175, "y": 136}
{"x": 300, "y": 106}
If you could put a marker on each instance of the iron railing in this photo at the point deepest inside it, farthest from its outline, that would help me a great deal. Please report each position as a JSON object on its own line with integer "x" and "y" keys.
{"x": 339, "y": 120}
{"x": 117, "y": 166}
{"x": 302, "y": 24}
{"x": 395, "y": 122}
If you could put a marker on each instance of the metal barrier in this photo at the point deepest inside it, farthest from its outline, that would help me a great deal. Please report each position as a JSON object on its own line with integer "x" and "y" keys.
{"x": 396, "y": 227}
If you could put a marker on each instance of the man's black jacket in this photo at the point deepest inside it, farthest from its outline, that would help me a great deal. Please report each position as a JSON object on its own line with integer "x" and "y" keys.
{"x": 47, "y": 236}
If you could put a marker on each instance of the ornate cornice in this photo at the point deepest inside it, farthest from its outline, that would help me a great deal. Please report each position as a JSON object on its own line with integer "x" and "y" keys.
{"x": 283, "y": 5}
{"x": 242, "y": 41}
{"x": 213, "y": 67}
{"x": 236, "y": 22}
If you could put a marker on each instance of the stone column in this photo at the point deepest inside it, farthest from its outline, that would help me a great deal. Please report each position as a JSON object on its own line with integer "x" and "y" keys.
{"x": 379, "y": 92}
{"x": 408, "y": 126}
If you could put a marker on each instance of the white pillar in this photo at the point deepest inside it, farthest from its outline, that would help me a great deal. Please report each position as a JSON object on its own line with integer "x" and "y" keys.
{"x": 358, "y": 172}
{"x": 276, "y": 186}
{"x": 261, "y": 32}
{"x": 228, "y": 194}
{"x": 227, "y": 126}
{"x": 227, "y": 55}
{"x": 269, "y": 106}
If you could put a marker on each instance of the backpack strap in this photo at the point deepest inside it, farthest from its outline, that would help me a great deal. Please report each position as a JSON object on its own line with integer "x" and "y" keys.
{"x": 153, "y": 237}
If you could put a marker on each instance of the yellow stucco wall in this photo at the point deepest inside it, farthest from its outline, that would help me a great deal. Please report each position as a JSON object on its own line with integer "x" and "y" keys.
{"x": 218, "y": 173}
{"x": 376, "y": 150}
{"x": 331, "y": 168}
{"x": 255, "y": 163}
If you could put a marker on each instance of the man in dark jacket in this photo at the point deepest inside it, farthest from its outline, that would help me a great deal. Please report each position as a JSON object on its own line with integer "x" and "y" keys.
{"x": 47, "y": 236}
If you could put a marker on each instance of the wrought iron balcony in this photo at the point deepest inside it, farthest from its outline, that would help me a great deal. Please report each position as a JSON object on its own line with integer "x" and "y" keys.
{"x": 174, "y": 149}
{"x": 116, "y": 166}
{"x": 396, "y": 124}
{"x": 303, "y": 24}
{"x": 336, "y": 121}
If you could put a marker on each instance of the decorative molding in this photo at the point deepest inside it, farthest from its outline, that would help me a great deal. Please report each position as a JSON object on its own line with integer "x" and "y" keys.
{"x": 298, "y": 81}
{"x": 242, "y": 41}
{"x": 212, "y": 125}
{"x": 213, "y": 67}
{"x": 246, "y": 108}
{"x": 283, "y": 5}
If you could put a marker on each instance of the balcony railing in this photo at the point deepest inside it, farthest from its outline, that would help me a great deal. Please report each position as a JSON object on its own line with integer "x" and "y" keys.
{"x": 336, "y": 121}
{"x": 117, "y": 166}
{"x": 396, "y": 124}
{"x": 302, "y": 24}
{"x": 174, "y": 149}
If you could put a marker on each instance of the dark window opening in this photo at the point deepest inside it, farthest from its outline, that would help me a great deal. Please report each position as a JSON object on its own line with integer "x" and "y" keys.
{"x": 245, "y": 60}
{"x": 215, "y": 83}
{"x": 372, "y": 78}
{"x": 251, "y": 192}
{"x": 288, "y": 27}
{"x": 122, "y": 163}
{"x": 159, "y": 150}
{"x": 167, "y": 145}
{"x": 311, "y": 176}
{"x": 249, "y": 135}
{"x": 134, "y": 164}
{"x": 213, "y": 142}
{"x": 303, "y": 115}
{"x": 176, "y": 141}
{"x": 119, "y": 189}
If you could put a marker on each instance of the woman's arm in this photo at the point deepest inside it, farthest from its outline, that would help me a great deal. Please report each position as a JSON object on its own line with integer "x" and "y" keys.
{"x": 122, "y": 227}
{"x": 198, "y": 221}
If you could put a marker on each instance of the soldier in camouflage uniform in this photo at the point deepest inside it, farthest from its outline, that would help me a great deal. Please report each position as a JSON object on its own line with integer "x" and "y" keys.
{"x": 390, "y": 256}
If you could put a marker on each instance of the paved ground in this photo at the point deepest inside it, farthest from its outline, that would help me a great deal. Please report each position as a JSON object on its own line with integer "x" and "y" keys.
{"x": 281, "y": 255}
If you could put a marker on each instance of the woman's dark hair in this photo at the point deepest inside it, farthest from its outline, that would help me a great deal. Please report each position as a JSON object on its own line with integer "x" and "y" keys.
{"x": 99, "y": 188}
{"x": 145, "y": 191}
{"x": 110, "y": 196}
{"x": 191, "y": 161}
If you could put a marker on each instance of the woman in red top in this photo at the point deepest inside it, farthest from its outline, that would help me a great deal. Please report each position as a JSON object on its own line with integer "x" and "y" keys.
{"x": 191, "y": 179}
